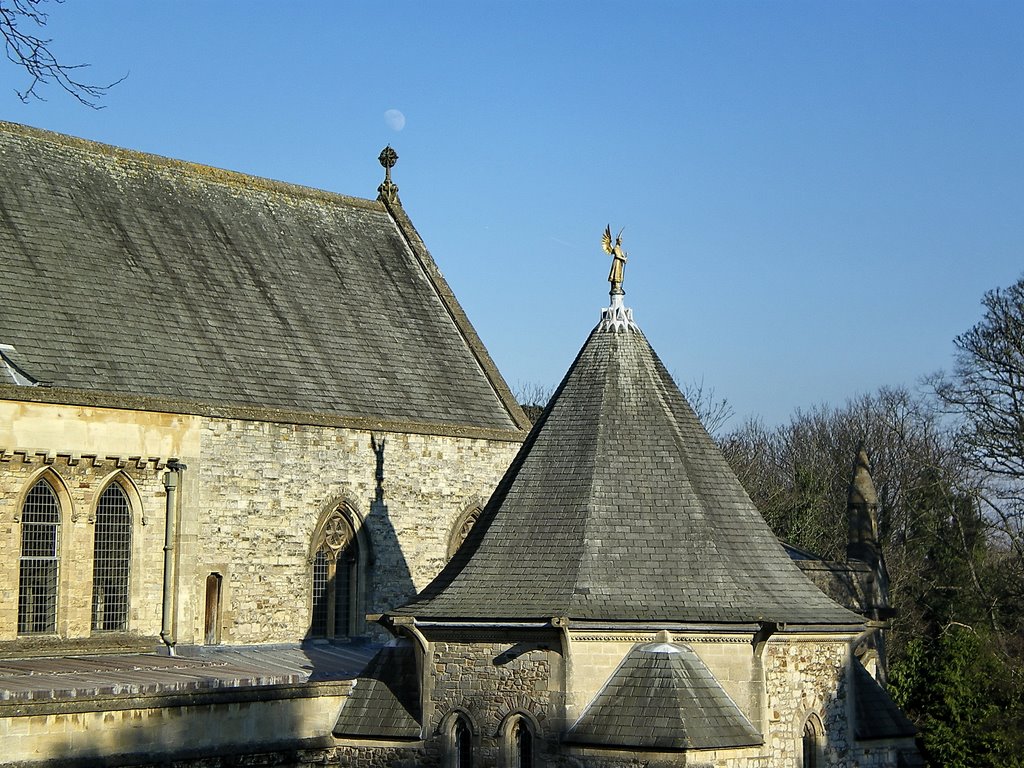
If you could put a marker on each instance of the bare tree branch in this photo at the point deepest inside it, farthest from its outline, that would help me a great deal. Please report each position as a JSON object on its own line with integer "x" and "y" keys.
{"x": 33, "y": 54}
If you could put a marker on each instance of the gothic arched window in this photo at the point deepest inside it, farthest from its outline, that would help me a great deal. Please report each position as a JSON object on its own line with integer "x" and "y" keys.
{"x": 462, "y": 528}
{"x": 40, "y": 550}
{"x": 813, "y": 742}
{"x": 521, "y": 746}
{"x": 112, "y": 549}
{"x": 335, "y": 578}
{"x": 462, "y": 743}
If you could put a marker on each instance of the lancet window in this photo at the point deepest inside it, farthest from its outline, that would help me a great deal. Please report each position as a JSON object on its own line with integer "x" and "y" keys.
{"x": 813, "y": 742}
{"x": 521, "y": 744}
{"x": 40, "y": 552}
{"x": 462, "y": 744}
{"x": 111, "y": 560}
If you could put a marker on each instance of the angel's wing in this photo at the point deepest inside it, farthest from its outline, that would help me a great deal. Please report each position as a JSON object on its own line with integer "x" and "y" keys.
{"x": 606, "y": 239}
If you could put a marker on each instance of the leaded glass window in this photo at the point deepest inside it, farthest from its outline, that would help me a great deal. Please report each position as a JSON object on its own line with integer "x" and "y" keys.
{"x": 111, "y": 561}
{"x": 40, "y": 549}
{"x": 335, "y": 569}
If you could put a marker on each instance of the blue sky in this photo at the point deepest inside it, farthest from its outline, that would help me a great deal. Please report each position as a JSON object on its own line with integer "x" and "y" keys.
{"x": 815, "y": 195}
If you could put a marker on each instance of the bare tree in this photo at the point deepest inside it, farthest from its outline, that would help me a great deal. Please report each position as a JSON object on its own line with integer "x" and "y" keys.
{"x": 20, "y": 24}
{"x": 532, "y": 398}
{"x": 714, "y": 412}
{"x": 941, "y": 560}
{"x": 986, "y": 391}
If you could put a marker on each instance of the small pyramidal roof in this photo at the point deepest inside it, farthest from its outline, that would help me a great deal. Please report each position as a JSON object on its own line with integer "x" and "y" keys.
{"x": 663, "y": 697}
{"x": 620, "y": 507}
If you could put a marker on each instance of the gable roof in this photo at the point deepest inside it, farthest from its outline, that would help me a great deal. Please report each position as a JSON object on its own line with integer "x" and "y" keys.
{"x": 620, "y": 507}
{"x": 134, "y": 274}
{"x": 662, "y": 696}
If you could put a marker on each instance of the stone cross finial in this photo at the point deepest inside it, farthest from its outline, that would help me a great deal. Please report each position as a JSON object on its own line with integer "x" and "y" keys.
{"x": 388, "y": 190}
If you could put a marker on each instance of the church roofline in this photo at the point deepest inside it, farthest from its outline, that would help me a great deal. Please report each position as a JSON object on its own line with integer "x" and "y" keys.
{"x": 415, "y": 243}
{"x": 208, "y": 173}
{"x": 239, "y": 291}
{"x": 134, "y": 402}
{"x": 585, "y": 625}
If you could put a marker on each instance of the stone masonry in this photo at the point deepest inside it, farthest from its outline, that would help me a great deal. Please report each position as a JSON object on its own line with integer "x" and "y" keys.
{"x": 250, "y": 501}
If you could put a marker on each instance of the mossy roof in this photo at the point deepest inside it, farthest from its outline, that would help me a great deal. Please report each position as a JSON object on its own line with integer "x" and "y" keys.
{"x": 621, "y": 508}
{"x": 135, "y": 274}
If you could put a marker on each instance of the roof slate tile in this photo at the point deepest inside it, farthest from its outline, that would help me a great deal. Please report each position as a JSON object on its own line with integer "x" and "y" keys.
{"x": 586, "y": 526}
{"x": 130, "y": 273}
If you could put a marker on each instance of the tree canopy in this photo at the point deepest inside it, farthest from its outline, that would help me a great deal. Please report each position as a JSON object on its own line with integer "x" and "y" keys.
{"x": 949, "y": 471}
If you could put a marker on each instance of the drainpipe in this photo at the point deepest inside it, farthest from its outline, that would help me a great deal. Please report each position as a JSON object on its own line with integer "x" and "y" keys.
{"x": 171, "y": 486}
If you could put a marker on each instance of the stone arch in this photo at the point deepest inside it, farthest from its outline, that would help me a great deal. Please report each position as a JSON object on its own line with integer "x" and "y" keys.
{"x": 114, "y": 514}
{"x": 42, "y": 513}
{"x": 518, "y": 735}
{"x": 811, "y": 741}
{"x": 59, "y": 487}
{"x": 131, "y": 490}
{"x": 338, "y": 572}
{"x": 463, "y": 525}
{"x": 460, "y": 735}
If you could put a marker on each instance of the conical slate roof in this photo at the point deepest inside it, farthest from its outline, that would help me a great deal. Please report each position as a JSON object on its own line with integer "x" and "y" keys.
{"x": 620, "y": 507}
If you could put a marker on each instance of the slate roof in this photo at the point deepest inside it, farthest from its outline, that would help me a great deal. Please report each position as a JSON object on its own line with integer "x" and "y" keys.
{"x": 134, "y": 274}
{"x": 662, "y": 696}
{"x": 384, "y": 703}
{"x": 876, "y": 715}
{"x": 620, "y": 507}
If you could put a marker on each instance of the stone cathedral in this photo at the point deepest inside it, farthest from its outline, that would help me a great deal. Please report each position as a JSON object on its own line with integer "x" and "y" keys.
{"x": 266, "y": 500}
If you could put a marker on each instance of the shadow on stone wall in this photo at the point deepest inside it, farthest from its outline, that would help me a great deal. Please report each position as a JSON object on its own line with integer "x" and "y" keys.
{"x": 389, "y": 579}
{"x": 369, "y": 575}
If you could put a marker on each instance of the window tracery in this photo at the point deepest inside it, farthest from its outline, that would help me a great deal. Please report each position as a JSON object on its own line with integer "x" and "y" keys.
{"x": 462, "y": 529}
{"x": 335, "y": 577}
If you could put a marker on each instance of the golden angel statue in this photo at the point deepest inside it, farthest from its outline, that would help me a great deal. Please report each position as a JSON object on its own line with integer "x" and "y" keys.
{"x": 618, "y": 258}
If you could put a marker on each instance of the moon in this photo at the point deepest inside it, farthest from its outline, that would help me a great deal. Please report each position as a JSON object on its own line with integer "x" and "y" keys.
{"x": 394, "y": 119}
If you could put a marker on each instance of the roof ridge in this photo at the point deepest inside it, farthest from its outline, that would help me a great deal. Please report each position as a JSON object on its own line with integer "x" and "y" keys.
{"x": 413, "y": 241}
{"x": 209, "y": 173}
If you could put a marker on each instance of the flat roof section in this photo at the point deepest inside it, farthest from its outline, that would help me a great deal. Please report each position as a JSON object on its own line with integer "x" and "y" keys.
{"x": 194, "y": 669}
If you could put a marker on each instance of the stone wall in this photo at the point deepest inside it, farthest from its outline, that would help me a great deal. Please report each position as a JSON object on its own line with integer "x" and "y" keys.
{"x": 250, "y": 500}
{"x": 261, "y": 489}
{"x": 804, "y": 676}
{"x": 78, "y": 480}
{"x": 489, "y": 679}
{"x": 127, "y": 730}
